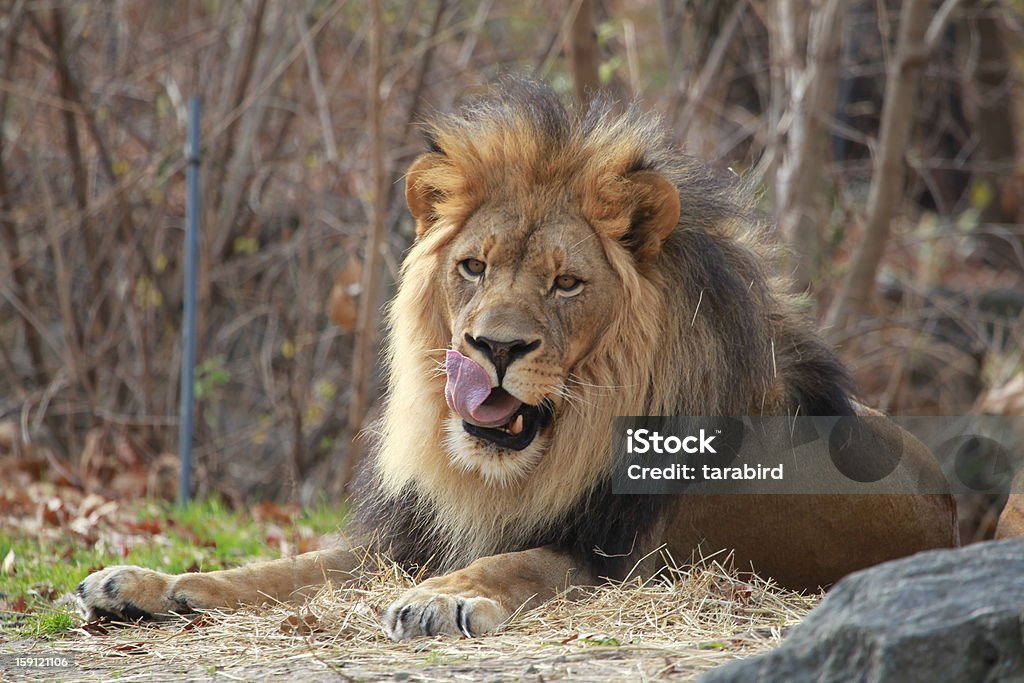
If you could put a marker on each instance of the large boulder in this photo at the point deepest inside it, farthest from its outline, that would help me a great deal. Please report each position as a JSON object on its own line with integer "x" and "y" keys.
{"x": 942, "y": 615}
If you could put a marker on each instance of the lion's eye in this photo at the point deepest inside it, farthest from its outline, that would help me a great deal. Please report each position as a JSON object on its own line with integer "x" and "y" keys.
{"x": 472, "y": 268}
{"x": 567, "y": 285}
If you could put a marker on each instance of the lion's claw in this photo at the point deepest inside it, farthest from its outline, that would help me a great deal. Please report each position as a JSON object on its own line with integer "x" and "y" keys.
{"x": 422, "y": 612}
{"x": 125, "y": 593}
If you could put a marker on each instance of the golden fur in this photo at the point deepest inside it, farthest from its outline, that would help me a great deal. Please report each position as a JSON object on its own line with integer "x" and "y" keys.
{"x": 659, "y": 355}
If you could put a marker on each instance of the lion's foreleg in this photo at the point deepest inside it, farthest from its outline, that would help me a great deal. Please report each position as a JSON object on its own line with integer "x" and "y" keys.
{"x": 128, "y": 592}
{"x": 480, "y": 597}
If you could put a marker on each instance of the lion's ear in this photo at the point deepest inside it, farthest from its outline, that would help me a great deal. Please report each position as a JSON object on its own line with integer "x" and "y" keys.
{"x": 655, "y": 212}
{"x": 421, "y": 191}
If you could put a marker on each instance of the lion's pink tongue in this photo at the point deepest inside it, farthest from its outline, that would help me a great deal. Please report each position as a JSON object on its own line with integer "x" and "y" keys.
{"x": 468, "y": 393}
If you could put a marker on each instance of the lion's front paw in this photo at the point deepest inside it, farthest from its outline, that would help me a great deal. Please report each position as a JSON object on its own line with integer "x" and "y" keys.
{"x": 126, "y": 593}
{"x": 425, "y": 612}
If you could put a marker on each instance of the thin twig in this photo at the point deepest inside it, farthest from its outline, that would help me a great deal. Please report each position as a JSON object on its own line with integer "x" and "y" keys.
{"x": 322, "y": 105}
{"x": 888, "y": 176}
{"x": 800, "y": 214}
{"x": 695, "y": 95}
{"x": 938, "y": 24}
{"x": 366, "y": 328}
{"x": 8, "y": 228}
{"x": 584, "y": 52}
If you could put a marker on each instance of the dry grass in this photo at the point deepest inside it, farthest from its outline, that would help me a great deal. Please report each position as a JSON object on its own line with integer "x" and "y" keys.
{"x": 671, "y": 628}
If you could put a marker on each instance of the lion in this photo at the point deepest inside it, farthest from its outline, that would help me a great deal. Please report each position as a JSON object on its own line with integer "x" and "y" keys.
{"x": 569, "y": 267}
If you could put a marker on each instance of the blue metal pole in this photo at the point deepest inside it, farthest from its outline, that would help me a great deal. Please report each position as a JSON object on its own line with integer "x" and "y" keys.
{"x": 188, "y": 341}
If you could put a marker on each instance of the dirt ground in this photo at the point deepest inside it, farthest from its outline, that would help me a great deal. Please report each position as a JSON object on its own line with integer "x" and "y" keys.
{"x": 671, "y": 629}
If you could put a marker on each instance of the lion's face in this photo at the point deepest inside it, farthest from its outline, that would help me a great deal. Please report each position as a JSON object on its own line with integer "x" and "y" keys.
{"x": 526, "y": 300}
{"x": 536, "y": 248}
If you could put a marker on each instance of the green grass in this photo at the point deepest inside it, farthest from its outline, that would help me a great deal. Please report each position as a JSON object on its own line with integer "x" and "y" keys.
{"x": 50, "y": 621}
{"x": 203, "y": 536}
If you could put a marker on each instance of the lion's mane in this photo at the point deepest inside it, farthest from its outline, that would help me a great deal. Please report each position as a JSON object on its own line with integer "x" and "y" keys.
{"x": 707, "y": 331}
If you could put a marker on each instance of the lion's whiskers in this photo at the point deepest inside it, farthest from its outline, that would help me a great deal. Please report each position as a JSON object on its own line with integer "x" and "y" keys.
{"x": 439, "y": 369}
{"x": 575, "y": 380}
{"x": 573, "y": 399}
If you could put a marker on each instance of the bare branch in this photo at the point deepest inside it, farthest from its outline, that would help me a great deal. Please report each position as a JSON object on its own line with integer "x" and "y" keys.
{"x": 8, "y": 229}
{"x": 322, "y": 106}
{"x": 223, "y": 150}
{"x": 472, "y": 35}
{"x": 889, "y": 166}
{"x": 584, "y": 53}
{"x": 366, "y": 329}
{"x": 938, "y": 24}
{"x": 800, "y": 214}
{"x": 697, "y": 92}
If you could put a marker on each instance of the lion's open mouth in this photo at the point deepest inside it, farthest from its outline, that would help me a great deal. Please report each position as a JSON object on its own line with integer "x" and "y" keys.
{"x": 518, "y": 433}
{"x": 490, "y": 413}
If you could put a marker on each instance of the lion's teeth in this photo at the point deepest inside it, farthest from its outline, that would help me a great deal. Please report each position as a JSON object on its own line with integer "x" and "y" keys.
{"x": 517, "y": 425}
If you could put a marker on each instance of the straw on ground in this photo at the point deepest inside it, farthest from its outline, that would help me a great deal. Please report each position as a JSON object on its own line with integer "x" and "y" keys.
{"x": 671, "y": 628}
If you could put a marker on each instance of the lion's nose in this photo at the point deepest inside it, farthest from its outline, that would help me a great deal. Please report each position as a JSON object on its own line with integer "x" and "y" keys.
{"x": 502, "y": 353}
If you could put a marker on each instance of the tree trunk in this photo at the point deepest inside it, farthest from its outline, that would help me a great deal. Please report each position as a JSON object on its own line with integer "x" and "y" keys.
{"x": 369, "y": 310}
{"x": 997, "y": 138}
{"x": 584, "y": 53}
{"x": 888, "y": 175}
{"x": 802, "y": 211}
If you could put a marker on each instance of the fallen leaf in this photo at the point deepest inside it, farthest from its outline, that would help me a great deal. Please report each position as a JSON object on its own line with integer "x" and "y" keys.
{"x": 272, "y": 512}
{"x": 300, "y": 626}
{"x": 16, "y": 605}
{"x": 198, "y": 621}
{"x": 306, "y": 545}
{"x": 53, "y": 512}
{"x": 96, "y": 627}
{"x": 342, "y": 307}
{"x": 145, "y": 526}
{"x": 131, "y": 648}
{"x": 275, "y": 538}
{"x": 104, "y": 511}
{"x": 90, "y": 503}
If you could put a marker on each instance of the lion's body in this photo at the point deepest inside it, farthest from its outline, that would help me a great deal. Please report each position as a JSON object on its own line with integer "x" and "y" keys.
{"x": 703, "y": 329}
{"x": 664, "y": 305}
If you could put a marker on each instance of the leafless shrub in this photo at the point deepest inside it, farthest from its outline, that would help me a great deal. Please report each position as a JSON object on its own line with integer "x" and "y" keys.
{"x": 298, "y": 163}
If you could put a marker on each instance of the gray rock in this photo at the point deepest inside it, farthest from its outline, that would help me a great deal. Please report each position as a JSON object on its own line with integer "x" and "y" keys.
{"x": 942, "y": 615}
